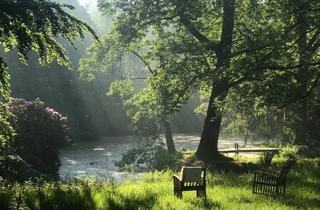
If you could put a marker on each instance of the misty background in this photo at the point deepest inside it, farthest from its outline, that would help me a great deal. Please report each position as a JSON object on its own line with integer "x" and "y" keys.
{"x": 91, "y": 113}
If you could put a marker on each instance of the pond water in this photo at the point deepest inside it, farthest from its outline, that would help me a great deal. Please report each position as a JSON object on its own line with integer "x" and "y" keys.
{"x": 96, "y": 158}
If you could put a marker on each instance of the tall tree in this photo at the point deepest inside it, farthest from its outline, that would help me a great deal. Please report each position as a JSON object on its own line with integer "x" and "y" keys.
{"x": 242, "y": 42}
{"x": 198, "y": 18}
{"x": 307, "y": 33}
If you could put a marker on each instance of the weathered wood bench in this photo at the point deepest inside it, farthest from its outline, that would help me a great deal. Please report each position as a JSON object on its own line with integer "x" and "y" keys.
{"x": 192, "y": 178}
{"x": 272, "y": 182}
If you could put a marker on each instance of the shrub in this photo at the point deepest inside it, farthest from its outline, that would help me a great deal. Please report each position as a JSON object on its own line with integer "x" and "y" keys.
{"x": 40, "y": 133}
{"x": 164, "y": 160}
{"x": 289, "y": 151}
{"x": 150, "y": 154}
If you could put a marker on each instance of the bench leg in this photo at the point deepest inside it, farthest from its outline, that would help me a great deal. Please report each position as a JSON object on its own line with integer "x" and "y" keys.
{"x": 178, "y": 193}
{"x": 201, "y": 193}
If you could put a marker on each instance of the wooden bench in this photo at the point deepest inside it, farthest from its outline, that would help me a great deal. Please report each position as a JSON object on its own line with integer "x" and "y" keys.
{"x": 192, "y": 178}
{"x": 272, "y": 182}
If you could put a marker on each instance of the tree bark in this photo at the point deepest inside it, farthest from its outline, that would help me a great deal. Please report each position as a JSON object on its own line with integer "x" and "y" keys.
{"x": 301, "y": 123}
{"x": 166, "y": 124}
{"x": 208, "y": 146}
{"x": 169, "y": 139}
{"x": 302, "y": 79}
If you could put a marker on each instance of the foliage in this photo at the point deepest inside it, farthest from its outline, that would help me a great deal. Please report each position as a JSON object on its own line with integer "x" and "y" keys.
{"x": 290, "y": 83}
{"x": 225, "y": 44}
{"x": 154, "y": 191}
{"x": 6, "y": 131}
{"x": 28, "y": 30}
{"x": 166, "y": 84}
{"x": 153, "y": 156}
{"x": 164, "y": 161}
{"x": 24, "y": 28}
{"x": 7, "y": 151}
{"x": 95, "y": 114}
{"x": 76, "y": 195}
{"x": 41, "y": 131}
{"x": 250, "y": 114}
{"x": 168, "y": 59}
{"x": 141, "y": 107}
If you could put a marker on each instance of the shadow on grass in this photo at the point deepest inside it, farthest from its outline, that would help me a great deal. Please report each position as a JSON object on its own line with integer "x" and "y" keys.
{"x": 120, "y": 202}
{"x": 222, "y": 163}
{"x": 67, "y": 196}
{"x": 205, "y": 204}
{"x": 4, "y": 199}
{"x": 298, "y": 202}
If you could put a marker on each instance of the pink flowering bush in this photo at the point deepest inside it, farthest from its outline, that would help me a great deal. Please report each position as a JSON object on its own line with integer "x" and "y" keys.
{"x": 40, "y": 133}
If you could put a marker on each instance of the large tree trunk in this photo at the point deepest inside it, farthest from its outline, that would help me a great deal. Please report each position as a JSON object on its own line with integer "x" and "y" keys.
{"x": 301, "y": 131}
{"x": 301, "y": 123}
{"x": 208, "y": 147}
{"x": 302, "y": 79}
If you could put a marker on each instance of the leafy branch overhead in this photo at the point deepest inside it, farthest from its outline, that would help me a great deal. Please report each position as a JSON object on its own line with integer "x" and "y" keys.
{"x": 33, "y": 25}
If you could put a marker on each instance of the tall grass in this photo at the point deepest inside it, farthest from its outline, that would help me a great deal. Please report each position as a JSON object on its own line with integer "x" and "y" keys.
{"x": 155, "y": 191}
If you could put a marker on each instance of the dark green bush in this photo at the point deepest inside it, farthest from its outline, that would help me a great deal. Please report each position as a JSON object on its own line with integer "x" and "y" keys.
{"x": 155, "y": 157}
{"x": 40, "y": 133}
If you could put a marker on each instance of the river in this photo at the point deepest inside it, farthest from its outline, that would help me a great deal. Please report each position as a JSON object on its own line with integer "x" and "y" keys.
{"x": 96, "y": 158}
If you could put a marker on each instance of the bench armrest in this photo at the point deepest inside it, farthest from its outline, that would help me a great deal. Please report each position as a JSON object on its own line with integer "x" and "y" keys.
{"x": 177, "y": 182}
{"x": 176, "y": 178}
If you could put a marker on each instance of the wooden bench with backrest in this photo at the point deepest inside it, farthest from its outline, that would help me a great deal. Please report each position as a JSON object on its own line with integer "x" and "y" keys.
{"x": 272, "y": 182}
{"x": 192, "y": 178}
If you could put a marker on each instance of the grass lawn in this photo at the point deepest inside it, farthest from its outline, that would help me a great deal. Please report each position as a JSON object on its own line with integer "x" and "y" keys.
{"x": 155, "y": 191}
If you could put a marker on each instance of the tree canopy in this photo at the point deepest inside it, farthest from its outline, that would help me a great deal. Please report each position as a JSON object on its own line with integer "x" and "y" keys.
{"x": 252, "y": 48}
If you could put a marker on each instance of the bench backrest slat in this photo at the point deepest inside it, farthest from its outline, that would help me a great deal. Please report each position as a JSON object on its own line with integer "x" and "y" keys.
{"x": 192, "y": 174}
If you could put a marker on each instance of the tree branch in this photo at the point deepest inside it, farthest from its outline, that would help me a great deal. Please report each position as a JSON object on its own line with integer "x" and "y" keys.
{"x": 295, "y": 99}
{"x": 193, "y": 30}
{"x": 143, "y": 60}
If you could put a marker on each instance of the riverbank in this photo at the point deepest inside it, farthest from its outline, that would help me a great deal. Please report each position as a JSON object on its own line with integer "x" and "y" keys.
{"x": 225, "y": 190}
